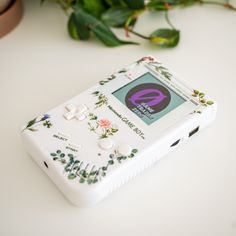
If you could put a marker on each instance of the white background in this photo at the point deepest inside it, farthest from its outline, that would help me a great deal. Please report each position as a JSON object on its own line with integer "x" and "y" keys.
{"x": 192, "y": 191}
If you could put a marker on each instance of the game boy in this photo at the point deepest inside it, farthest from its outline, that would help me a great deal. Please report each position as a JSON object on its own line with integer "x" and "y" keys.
{"x": 95, "y": 142}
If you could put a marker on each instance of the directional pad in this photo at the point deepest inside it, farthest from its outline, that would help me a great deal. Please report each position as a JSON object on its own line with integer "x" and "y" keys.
{"x": 77, "y": 112}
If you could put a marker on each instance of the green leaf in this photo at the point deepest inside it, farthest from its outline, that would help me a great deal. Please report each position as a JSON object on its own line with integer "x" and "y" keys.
{"x": 53, "y": 154}
{"x": 77, "y": 27}
{"x": 165, "y": 38}
{"x": 72, "y": 176}
{"x": 135, "y": 4}
{"x": 58, "y": 151}
{"x": 107, "y": 37}
{"x": 85, "y": 22}
{"x": 113, "y": 2}
{"x": 94, "y": 7}
{"x": 116, "y": 16}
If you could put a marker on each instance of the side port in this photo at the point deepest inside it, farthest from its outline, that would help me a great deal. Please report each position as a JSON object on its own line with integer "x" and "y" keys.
{"x": 175, "y": 143}
{"x": 194, "y": 131}
{"x": 45, "y": 163}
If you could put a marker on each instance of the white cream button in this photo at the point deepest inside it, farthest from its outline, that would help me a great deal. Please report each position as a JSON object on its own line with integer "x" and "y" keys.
{"x": 80, "y": 116}
{"x": 71, "y": 107}
{"x": 124, "y": 149}
{"x": 69, "y": 115}
{"x": 81, "y": 108}
{"x": 105, "y": 143}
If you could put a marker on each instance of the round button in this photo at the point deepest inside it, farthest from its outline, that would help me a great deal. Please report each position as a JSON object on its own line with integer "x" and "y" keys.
{"x": 105, "y": 143}
{"x": 124, "y": 149}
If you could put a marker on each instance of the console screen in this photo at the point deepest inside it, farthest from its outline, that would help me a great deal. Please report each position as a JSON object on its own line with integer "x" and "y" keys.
{"x": 148, "y": 98}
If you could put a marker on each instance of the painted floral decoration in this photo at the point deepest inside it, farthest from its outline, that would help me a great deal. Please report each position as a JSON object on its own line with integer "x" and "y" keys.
{"x": 201, "y": 99}
{"x": 103, "y": 127}
{"x": 147, "y": 58}
{"x": 104, "y": 123}
{"x": 44, "y": 120}
{"x": 102, "y": 99}
{"x": 84, "y": 172}
{"x": 113, "y": 76}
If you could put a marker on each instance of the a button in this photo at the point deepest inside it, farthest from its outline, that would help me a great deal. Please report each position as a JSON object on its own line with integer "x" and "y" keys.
{"x": 71, "y": 107}
{"x": 105, "y": 143}
{"x": 81, "y": 108}
{"x": 69, "y": 115}
{"x": 75, "y": 111}
{"x": 80, "y": 116}
{"x": 124, "y": 149}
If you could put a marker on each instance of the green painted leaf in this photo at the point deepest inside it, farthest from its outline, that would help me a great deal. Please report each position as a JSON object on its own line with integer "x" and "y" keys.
{"x": 131, "y": 155}
{"x": 165, "y": 37}
{"x": 32, "y": 129}
{"x": 53, "y": 154}
{"x": 31, "y": 122}
{"x": 82, "y": 180}
{"x": 201, "y": 95}
{"x": 104, "y": 168}
{"x": 134, "y": 150}
{"x": 116, "y": 16}
{"x": 210, "y": 102}
{"x": 111, "y": 162}
{"x": 63, "y": 161}
{"x": 58, "y": 151}
{"x": 72, "y": 176}
{"x": 135, "y": 4}
{"x": 111, "y": 155}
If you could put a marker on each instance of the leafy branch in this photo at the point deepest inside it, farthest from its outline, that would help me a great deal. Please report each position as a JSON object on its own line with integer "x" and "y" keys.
{"x": 97, "y": 17}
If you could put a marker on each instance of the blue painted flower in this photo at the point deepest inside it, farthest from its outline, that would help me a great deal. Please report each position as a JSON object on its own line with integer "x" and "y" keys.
{"x": 45, "y": 117}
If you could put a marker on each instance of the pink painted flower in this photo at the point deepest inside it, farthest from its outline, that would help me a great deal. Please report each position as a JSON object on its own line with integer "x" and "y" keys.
{"x": 147, "y": 59}
{"x": 104, "y": 123}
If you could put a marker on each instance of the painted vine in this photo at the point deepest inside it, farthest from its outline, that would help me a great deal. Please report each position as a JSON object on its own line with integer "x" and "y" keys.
{"x": 85, "y": 173}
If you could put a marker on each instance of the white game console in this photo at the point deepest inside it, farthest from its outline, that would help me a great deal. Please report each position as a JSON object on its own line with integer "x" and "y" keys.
{"x": 97, "y": 141}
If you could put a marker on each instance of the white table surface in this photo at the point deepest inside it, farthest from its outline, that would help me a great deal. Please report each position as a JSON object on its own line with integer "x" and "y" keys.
{"x": 192, "y": 191}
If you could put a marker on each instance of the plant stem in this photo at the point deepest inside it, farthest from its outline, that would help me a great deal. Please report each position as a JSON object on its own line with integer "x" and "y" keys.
{"x": 168, "y": 19}
{"x": 226, "y": 4}
{"x": 138, "y": 34}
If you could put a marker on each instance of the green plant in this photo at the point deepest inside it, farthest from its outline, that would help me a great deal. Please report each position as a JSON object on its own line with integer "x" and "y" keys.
{"x": 87, "y": 17}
